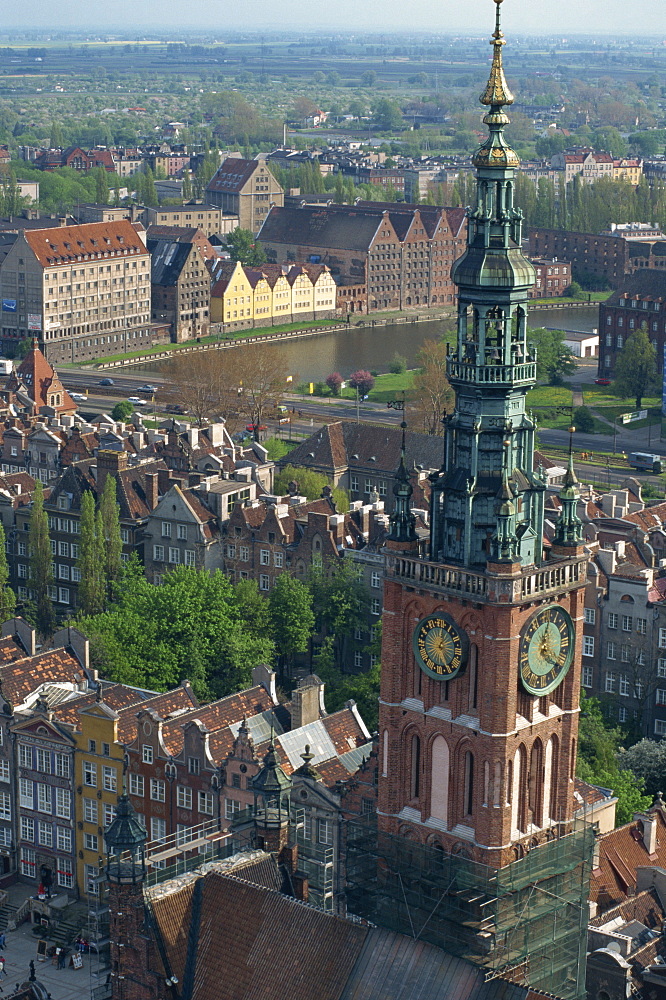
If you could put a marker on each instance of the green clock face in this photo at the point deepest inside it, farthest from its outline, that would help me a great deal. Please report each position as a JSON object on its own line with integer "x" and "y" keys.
{"x": 440, "y": 647}
{"x": 546, "y": 650}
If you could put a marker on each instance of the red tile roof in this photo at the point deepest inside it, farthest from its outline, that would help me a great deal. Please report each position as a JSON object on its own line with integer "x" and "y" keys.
{"x": 217, "y": 717}
{"x": 54, "y": 247}
{"x": 19, "y": 679}
{"x": 621, "y": 852}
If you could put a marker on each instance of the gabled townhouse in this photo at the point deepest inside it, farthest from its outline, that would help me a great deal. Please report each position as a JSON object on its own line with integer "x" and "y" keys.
{"x": 246, "y": 189}
{"x": 181, "y": 531}
{"x": 38, "y": 380}
{"x": 180, "y": 288}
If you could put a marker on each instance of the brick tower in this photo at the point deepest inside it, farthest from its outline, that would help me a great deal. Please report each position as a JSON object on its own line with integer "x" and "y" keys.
{"x": 482, "y": 635}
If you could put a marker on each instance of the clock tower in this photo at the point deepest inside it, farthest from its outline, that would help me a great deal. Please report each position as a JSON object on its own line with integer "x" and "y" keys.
{"x": 482, "y": 636}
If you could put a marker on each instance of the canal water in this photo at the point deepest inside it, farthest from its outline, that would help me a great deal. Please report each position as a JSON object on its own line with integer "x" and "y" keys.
{"x": 373, "y": 348}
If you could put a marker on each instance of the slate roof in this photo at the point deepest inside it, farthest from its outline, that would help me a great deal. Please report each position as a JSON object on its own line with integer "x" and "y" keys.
{"x": 349, "y": 229}
{"x": 251, "y": 943}
{"x": 345, "y": 444}
{"x": 646, "y": 283}
{"x": 54, "y": 247}
{"x": 167, "y": 261}
{"x": 232, "y": 175}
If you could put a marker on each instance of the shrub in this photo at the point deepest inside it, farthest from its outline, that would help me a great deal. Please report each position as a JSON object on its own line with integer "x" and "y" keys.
{"x": 398, "y": 365}
{"x": 583, "y": 420}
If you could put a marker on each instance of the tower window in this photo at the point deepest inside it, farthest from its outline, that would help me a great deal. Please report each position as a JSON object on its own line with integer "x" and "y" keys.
{"x": 469, "y": 784}
{"x": 416, "y": 768}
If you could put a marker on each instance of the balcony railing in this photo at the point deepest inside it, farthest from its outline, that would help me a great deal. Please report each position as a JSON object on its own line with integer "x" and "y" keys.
{"x": 495, "y": 374}
{"x": 532, "y": 582}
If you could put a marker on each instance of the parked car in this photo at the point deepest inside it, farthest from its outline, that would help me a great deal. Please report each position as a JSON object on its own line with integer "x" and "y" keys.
{"x": 106, "y": 381}
{"x": 251, "y": 427}
{"x": 137, "y": 400}
{"x": 602, "y": 381}
{"x": 150, "y": 389}
{"x": 175, "y": 408}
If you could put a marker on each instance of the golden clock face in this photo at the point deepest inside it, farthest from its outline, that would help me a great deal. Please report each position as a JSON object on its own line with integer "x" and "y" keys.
{"x": 546, "y": 650}
{"x": 440, "y": 647}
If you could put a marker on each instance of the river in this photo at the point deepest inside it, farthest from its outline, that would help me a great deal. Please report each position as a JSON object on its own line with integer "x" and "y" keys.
{"x": 372, "y": 348}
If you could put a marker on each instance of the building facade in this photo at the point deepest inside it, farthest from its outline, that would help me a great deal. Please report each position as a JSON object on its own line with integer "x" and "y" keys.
{"x": 638, "y": 303}
{"x": 246, "y": 189}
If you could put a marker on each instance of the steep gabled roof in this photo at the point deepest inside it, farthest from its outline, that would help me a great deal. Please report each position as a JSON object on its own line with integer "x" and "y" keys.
{"x": 53, "y": 247}
{"x": 232, "y": 175}
{"x": 168, "y": 260}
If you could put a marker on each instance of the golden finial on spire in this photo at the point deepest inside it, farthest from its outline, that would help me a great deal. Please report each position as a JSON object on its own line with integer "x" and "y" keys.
{"x": 497, "y": 92}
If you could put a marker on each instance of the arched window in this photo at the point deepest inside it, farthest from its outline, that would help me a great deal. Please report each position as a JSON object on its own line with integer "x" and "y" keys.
{"x": 535, "y": 783}
{"x": 439, "y": 780}
{"x": 468, "y": 805}
{"x": 473, "y": 675}
{"x": 415, "y": 773}
{"x": 385, "y": 743}
{"x": 486, "y": 783}
{"x": 497, "y": 784}
{"x": 551, "y": 761}
{"x": 518, "y": 793}
{"x": 572, "y": 765}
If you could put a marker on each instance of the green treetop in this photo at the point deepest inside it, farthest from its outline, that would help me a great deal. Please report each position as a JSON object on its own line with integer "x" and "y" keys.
{"x": 636, "y": 367}
{"x": 41, "y": 563}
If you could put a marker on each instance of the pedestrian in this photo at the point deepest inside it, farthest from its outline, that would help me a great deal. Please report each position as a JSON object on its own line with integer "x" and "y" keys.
{"x": 61, "y": 958}
{"x": 2, "y": 964}
{"x": 2, "y": 941}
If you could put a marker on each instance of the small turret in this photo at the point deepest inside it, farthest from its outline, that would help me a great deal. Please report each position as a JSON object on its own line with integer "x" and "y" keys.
{"x": 568, "y": 525}
{"x": 126, "y": 845}
{"x": 402, "y": 521}
{"x": 272, "y": 788}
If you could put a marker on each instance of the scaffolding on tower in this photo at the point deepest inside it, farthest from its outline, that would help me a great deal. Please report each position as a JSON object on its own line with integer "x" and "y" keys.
{"x": 525, "y": 922}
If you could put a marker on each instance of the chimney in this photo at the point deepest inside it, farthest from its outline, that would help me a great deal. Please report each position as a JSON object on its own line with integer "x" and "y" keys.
{"x": 152, "y": 490}
{"x": 306, "y": 702}
{"x": 110, "y": 462}
{"x": 648, "y": 823}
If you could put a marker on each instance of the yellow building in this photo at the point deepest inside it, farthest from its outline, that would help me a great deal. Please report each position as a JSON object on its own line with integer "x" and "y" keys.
{"x": 98, "y": 778}
{"x": 232, "y": 297}
{"x": 270, "y": 294}
{"x": 630, "y": 170}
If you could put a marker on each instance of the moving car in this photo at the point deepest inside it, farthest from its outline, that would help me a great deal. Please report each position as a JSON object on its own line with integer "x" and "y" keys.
{"x": 79, "y": 397}
{"x": 106, "y": 381}
{"x": 602, "y": 381}
{"x": 137, "y": 400}
{"x": 149, "y": 388}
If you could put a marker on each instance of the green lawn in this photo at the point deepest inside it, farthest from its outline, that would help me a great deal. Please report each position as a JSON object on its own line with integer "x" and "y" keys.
{"x": 549, "y": 395}
{"x": 600, "y": 395}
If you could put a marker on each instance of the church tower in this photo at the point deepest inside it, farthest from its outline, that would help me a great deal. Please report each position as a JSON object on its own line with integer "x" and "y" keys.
{"x": 482, "y": 636}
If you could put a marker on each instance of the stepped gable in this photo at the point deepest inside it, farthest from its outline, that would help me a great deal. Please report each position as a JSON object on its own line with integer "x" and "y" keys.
{"x": 233, "y": 939}
{"x": 40, "y": 381}
{"x": 21, "y": 678}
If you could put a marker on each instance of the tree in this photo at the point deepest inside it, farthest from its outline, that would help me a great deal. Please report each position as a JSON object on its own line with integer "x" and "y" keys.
{"x": 243, "y": 247}
{"x": 310, "y": 484}
{"x": 647, "y": 761}
{"x": 109, "y": 526}
{"x": 554, "y": 360}
{"x": 203, "y": 385}
{"x": 334, "y": 382}
{"x": 598, "y": 748}
{"x": 122, "y": 410}
{"x": 636, "y": 367}
{"x": 149, "y": 190}
{"x": 369, "y": 78}
{"x": 92, "y": 590}
{"x": 101, "y": 185}
{"x": 361, "y": 380}
{"x": 398, "y": 365}
{"x": 189, "y": 626}
{"x": 40, "y": 578}
{"x": 575, "y": 291}
{"x": 341, "y": 603}
{"x": 187, "y": 185}
{"x": 292, "y": 619}
{"x": 432, "y": 394}
{"x": 583, "y": 420}
{"x": 387, "y": 113}
{"x": 7, "y": 597}
{"x": 260, "y": 373}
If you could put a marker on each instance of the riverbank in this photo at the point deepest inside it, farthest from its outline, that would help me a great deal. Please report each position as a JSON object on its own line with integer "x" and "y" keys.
{"x": 260, "y": 335}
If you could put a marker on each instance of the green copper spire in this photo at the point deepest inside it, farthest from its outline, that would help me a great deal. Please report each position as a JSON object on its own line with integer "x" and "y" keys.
{"x": 568, "y": 525}
{"x": 402, "y": 521}
{"x": 487, "y": 503}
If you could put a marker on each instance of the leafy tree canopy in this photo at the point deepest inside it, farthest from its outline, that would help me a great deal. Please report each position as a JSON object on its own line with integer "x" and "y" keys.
{"x": 122, "y": 410}
{"x": 191, "y": 626}
{"x": 636, "y": 367}
{"x": 310, "y": 485}
{"x": 242, "y": 246}
{"x": 554, "y": 360}
{"x": 647, "y": 761}
{"x": 598, "y": 749}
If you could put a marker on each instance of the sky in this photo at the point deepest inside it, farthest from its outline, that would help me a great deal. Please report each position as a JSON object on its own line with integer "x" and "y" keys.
{"x": 563, "y": 17}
